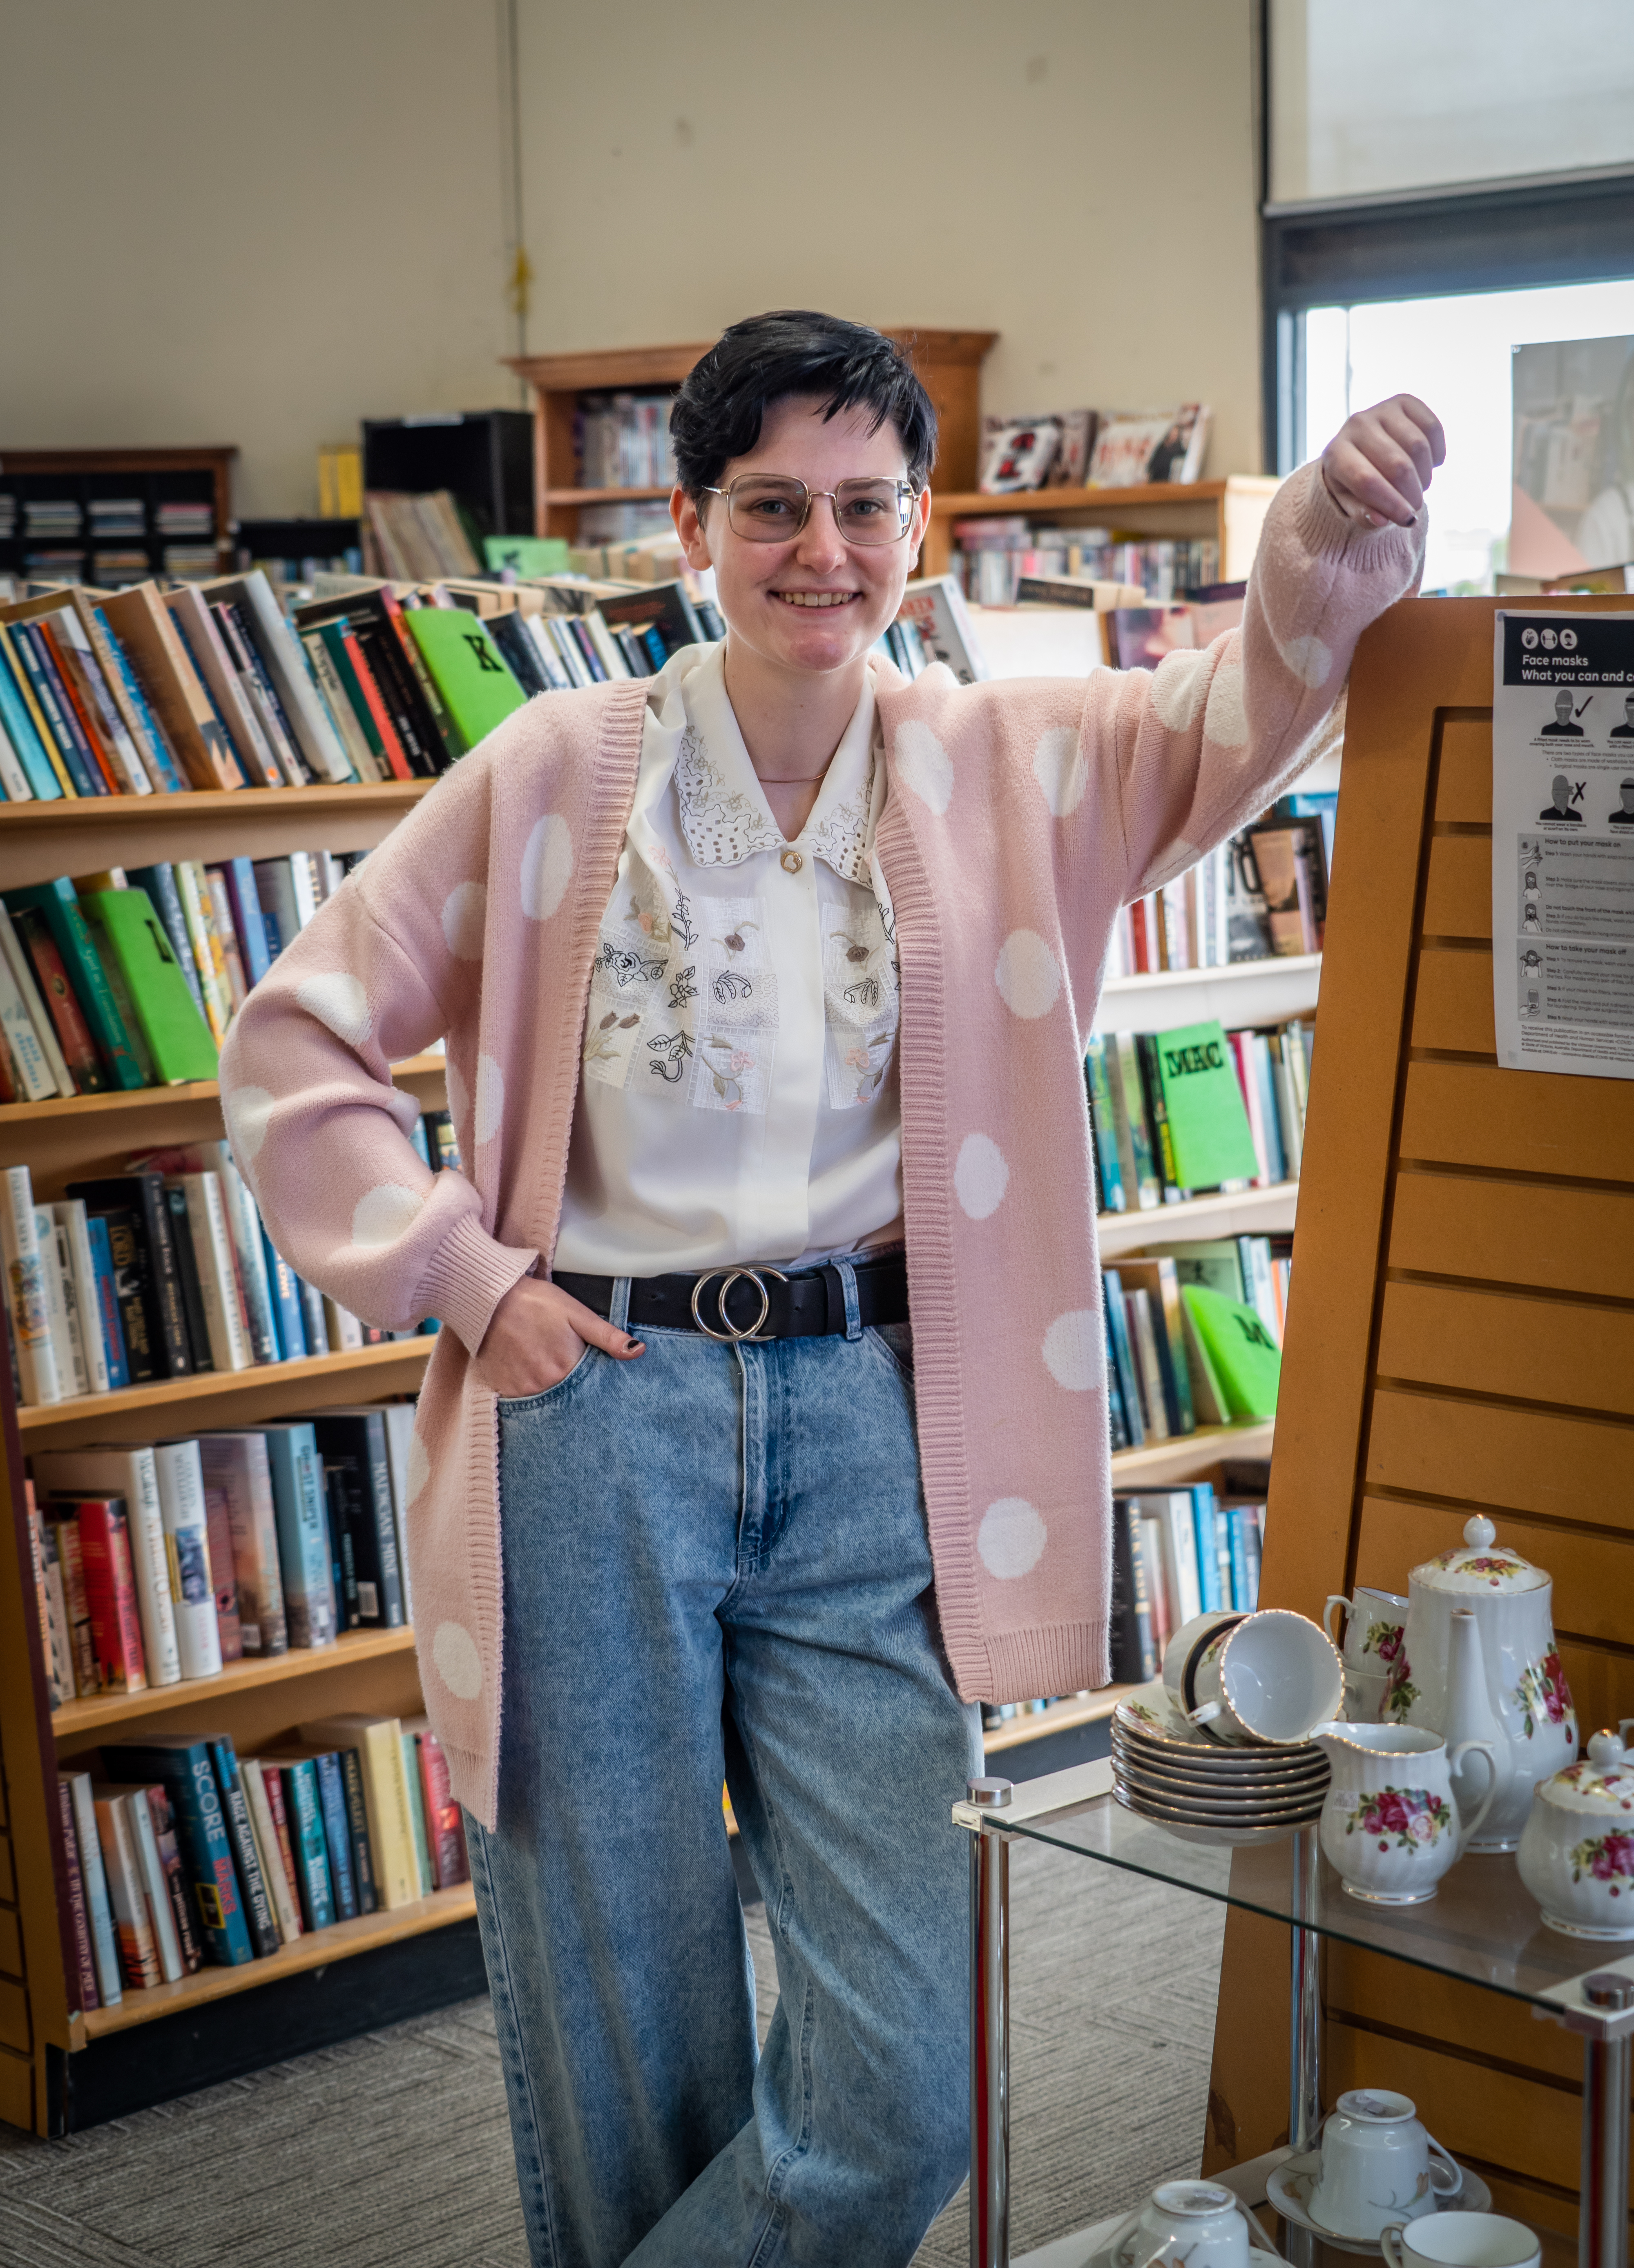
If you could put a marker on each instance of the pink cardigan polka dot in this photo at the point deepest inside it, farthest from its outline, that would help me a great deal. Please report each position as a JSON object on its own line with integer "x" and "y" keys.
{"x": 1020, "y": 816}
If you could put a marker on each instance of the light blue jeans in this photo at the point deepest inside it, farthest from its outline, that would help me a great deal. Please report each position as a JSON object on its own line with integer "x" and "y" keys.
{"x": 716, "y": 1566}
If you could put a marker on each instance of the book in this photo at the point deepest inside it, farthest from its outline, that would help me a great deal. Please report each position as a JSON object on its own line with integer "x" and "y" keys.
{"x": 77, "y": 1047}
{"x": 107, "y": 1299}
{"x": 1121, "y": 1354}
{"x": 66, "y": 1344}
{"x": 58, "y": 903}
{"x": 304, "y": 1560}
{"x": 1151, "y": 1540}
{"x": 138, "y": 1959}
{"x": 935, "y": 607}
{"x": 282, "y": 1886}
{"x": 1246, "y": 1359}
{"x": 155, "y": 1886}
{"x": 187, "y": 1274}
{"x": 1208, "y": 1125}
{"x": 272, "y": 1785}
{"x": 31, "y": 650}
{"x": 1138, "y": 1160}
{"x": 82, "y": 1983}
{"x": 111, "y": 1594}
{"x": 337, "y": 1833}
{"x": 65, "y": 1530}
{"x": 467, "y": 669}
{"x": 352, "y": 1442}
{"x": 248, "y": 1255}
{"x": 67, "y": 620}
{"x": 288, "y": 1321}
{"x": 140, "y": 1197}
{"x": 181, "y": 1763}
{"x": 1203, "y": 1513}
{"x": 275, "y": 650}
{"x": 263, "y": 1929}
{"x": 235, "y": 1465}
{"x": 28, "y": 1070}
{"x": 126, "y": 928}
{"x": 56, "y": 1638}
{"x": 1134, "y": 1655}
{"x": 1016, "y": 453}
{"x": 378, "y": 1741}
{"x": 424, "y": 1869}
{"x": 199, "y": 633}
{"x": 26, "y": 1294}
{"x": 19, "y": 969}
{"x": 304, "y": 1807}
{"x": 185, "y": 1516}
{"x": 1143, "y": 1334}
{"x": 24, "y": 734}
{"x": 1157, "y": 446}
{"x": 1160, "y": 1280}
{"x": 357, "y": 1829}
{"x": 443, "y": 1824}
{"x": 183, "y": 1912}
{"x": 399, "y": 1418}
{"x": 164, "y": 670}
{"x": 219, "y": 1527}
{"x": 227, "y": 1340}
{"x": 203, "y": 947}
{"x": 73, "y": 1235}
{"x": 104, "y": 1943}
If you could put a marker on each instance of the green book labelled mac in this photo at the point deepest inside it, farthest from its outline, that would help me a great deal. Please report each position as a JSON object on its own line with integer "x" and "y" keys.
{"x": 469, "y": 670}
{"x": 1245, "y": 1361}
{"x": 134, "y": 943}
{"x": 1208, "y": 1124}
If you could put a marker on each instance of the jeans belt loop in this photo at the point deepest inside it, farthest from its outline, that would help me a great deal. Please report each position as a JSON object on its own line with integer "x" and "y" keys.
{"x": 853, "y": 1312}
{"x": 618, "y": 1305}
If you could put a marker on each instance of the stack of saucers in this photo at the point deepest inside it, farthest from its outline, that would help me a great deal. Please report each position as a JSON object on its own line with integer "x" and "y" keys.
{"x": 1170, "y": 1770}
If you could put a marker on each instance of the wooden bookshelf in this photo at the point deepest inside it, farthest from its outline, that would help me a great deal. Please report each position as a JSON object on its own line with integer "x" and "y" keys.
{"x": 156, "y": 475}
{"x": 1060, "y": 1717}
{"x": 313, "y": 1949}
{"x": 949, "y": 364}
{"x": 257, "y": 1703}
{"x": 1242, "y": 993}
{"x": 1250, "y": 1212}
{"x": 1231, "y": 511}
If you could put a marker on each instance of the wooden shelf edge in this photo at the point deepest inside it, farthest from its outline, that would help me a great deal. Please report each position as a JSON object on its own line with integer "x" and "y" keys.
{"x": 609, "y": 496}
{"x": 409, "y": 1355}
{"x": 1262, "y": 1212}
{"x": 107, "y": 1712}
{"x": 974, "y": 503}
{"x": 1063, "y": 1717}
{"x": 1158, "y": 980}
{"x": 212, "y": 802}
{"x": 313, "y": 1949}
{"x": 135, "y": 1100}
{"x": 1162, "y": 1462}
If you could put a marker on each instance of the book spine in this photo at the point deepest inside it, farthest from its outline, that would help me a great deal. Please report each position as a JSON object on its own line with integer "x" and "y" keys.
{"x": 111, "y": 1594}
{"x": 445, "y": 1833}
{"x": 385, "y": 1795}
{"x": 235, "y": 1813}
{"x": 70, "y": 1352}
{"x": 53, "y": 1655}
{"x": 186, "y": 1537}
{"x": 1207, "y": 1557}
{"x": 341, "y": 710}
{"x": 73, "y": 939}
{"x": 219, "y": 1526}
{"x": 73, "y": 1224}
{"x": 77, "y": 764}
{"x": 383, "y": 660}
{"x": 426, "y": 1868}
{"x": 202, "y": 1830}
{"x": 1151, "y": 1658}
{"x": 199, "y": 1357}
{"x": 315, "y": 1322}
{"x": 385, "y": 731}
{"x": 1242, "y": 1600}
{"x": 237, "y": 1465}
{"x": 312, "y": 1858}
{"x": 26, "y": 729}
{"x": 83, "y": 1985}
{"x": 87, "y": 1680}
{"x": 239, "y": 875}
{"x": 166, "y": 1276}
{"x": 286, "y": 1304}
{"x": 336, "y": 1835}
{"x": 217, "y": 905}
{"x": 146, "y": 732}
{"x": 218, "y": 1279}
{"x": 244, "y": 1228}
{"x": 285, "y": 1901}
{"x": 272, "y": 1787}
{"x": 159, "y": 882}
{"x": 78, "y": 710}
{"x": 137, "y": 1958}
{"x": 1103, "y": 1126}
{"x": 104, "y": 1943}
{"x": 1123, "y": 1358}
{"x": 107, "y": 1302}
{"x": 20, "y": 968}
{"x": 181, "y": 1909}
{"x": 156, "y": 1890}
{"x": 33, "y": 1071}
{"x": 135, "y": 1294}
{"x": 202, "y": 950}
{"x": 77, "y": 1048}
{"x": 303, "y": 1538}
{"x": 25, "y": 1291}
{"x": 357, "y": 1830}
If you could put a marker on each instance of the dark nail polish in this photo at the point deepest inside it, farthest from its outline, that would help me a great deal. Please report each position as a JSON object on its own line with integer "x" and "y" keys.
{"x": 634, "y": 1346}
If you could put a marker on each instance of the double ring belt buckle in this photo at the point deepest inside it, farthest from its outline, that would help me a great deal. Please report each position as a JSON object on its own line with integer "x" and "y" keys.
{"x": 732, "y": 1335}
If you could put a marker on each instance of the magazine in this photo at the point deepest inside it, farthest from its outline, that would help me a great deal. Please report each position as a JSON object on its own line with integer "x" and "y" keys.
{"x": 1164, "y": 445}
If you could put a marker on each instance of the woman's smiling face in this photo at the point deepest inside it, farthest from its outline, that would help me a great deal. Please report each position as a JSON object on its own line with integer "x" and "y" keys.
{"x": 814, "y": 603}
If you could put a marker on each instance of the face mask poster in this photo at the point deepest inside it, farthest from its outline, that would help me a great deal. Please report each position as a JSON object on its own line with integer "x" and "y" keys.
{"x": 1563, "y": 842}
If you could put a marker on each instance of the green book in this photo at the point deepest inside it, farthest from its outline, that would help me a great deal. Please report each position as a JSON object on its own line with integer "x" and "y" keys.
{"x": 417, "y": 1805}
{"x": 467, "y": 668}
{"x": 142, "y": 968}
{"x": 1244, "y": 1358}
{"x": 1136, "y": 1157}
{"x": 1208, "y": 1126}
{"x": 333, "y": 638}
{"x": 528, "y": 555}
{"x": 58, "y": 902}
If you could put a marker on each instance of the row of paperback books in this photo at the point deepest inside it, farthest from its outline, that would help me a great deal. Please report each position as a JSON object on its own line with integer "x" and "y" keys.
{"x": 157, "y": 1564}
{"x": 1182, "y": 1552}
{"x": 990, "y": 557}
{"x": 621, "y": 441}
{"x": 1179, "y": 1112}
{"x": 1193, "y": 1335}
{"x": 1262, "y": 895}
{"x": 131, "y": 979}
{"x": 163, "y": 1271}
{"x": 179, "y": 1852}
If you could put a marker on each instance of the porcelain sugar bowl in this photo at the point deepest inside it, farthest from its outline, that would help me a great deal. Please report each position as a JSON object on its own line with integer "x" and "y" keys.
{"x": 1577, "y": 1850}
{"x": 1502, "y": 1684}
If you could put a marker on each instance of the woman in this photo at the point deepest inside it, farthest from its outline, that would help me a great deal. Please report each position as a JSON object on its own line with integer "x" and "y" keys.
{"x": 754, "y": 975}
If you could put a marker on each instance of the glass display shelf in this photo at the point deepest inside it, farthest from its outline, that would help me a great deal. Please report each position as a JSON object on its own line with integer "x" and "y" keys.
{"x": 1482, "y": 1928}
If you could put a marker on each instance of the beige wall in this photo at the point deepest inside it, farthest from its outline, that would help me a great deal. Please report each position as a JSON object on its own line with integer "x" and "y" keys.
{"x": 259, "y": 225}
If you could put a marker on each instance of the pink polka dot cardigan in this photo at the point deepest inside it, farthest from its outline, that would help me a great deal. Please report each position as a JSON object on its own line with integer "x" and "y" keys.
{"x": 1020, "y": 816}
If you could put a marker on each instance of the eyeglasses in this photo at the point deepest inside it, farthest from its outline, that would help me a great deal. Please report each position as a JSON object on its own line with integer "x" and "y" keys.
{"x": 766, "y": 508}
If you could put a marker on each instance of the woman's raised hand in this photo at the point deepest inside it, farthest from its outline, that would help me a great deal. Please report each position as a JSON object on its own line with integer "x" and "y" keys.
{"x": 1378, "y": 464}
{"x": 535, "y": 1335}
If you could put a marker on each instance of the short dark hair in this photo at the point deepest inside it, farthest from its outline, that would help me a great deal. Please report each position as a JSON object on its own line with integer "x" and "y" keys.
{"x": 718, "y": 413}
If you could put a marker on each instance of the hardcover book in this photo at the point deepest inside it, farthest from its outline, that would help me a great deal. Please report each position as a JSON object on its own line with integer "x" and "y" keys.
{"x": 467, "y": 668}
{"x": 181, "y": 1763}
{"x": 1244, "y": 1357}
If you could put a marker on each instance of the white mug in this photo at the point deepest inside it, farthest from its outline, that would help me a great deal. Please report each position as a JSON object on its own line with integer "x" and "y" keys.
{"x": 1461, "y": 2240}
{"x": 1194, "y": 2223}
{"x": 1373, "y": 1623}
{"x": 1274, "y": 1677}
{"x": 1378, "y": 2166}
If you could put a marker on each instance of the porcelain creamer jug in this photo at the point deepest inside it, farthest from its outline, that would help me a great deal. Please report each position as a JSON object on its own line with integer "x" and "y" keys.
{"x": 1577, "y": 1850}
{"x": 1525, "y": 1687}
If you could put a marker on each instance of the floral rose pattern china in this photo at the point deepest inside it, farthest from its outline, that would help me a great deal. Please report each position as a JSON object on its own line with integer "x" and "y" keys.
{"x": 1410, "y": 1816}
{"x": 1577, "y": 1864}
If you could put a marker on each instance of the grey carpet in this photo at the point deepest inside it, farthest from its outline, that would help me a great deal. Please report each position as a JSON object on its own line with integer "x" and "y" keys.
{"x": 392, "y": 2151}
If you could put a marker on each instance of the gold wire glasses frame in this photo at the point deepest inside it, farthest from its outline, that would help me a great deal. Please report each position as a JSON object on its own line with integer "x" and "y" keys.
{"x": 767, "y": 508}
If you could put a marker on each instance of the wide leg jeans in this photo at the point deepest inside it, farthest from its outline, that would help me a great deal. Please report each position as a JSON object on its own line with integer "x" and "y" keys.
{"x": 717, "y": 1566}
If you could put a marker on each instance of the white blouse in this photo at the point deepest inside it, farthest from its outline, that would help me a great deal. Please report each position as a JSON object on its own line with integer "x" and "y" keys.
{"x": 739, "y": 1099}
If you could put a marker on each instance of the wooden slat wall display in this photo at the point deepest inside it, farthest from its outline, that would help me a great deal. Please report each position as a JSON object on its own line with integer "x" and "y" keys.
{"x": 1460, "y": 1340}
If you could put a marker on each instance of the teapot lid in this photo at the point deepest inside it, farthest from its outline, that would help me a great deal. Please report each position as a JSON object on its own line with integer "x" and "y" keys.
{"x": 1602, "y": 1783}
{"x": 1480, "y": 1564}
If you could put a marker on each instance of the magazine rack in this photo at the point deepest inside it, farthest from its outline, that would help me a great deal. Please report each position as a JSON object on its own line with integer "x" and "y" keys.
{"x": 1459, "y": 1336}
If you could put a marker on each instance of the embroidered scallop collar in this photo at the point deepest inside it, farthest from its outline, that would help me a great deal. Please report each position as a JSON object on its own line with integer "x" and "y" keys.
{"x": 723, "y": 813}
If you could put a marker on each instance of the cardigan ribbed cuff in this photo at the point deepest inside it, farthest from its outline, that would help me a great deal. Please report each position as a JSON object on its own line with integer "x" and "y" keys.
{"x": 469, "y": 1275}
{"x": 1327, "y": 534}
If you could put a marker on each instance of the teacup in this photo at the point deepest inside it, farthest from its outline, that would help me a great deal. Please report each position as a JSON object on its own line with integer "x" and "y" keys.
{"x": 1273, "y": 1678}
{"x": 1378, "y": 2166}
{"x": 1186, "y": 1650}
{"x": 1366, "y": 1693}
{"x": 1199, "y": 2224}
{"x": 1373, "y": 1623}
{"x": 1461, "y": 2240}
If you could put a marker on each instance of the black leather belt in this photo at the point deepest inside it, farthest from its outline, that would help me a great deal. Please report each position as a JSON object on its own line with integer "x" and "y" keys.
{"x": 753, "y": 1303}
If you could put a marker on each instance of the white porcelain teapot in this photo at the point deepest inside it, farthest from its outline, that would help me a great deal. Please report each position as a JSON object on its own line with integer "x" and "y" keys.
{"x": 1577, "y": 1851}
{"x": 1503, "y": 1681}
